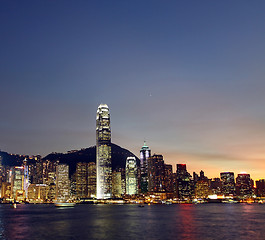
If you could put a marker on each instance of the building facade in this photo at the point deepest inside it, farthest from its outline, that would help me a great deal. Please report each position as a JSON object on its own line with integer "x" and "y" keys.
{"x": 103, "y": 145}
{"x": 62, "y": 183}
{"x": 131, "y": 176}
{"x": 228, "y": 183}
{"x": 145, "y": 154}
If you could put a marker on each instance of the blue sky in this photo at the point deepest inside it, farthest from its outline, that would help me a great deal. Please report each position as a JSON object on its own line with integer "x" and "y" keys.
{"x": 186, "y": 76}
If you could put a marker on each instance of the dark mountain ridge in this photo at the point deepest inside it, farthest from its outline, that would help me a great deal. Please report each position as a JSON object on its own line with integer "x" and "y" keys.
{"x": 118, "y": 156}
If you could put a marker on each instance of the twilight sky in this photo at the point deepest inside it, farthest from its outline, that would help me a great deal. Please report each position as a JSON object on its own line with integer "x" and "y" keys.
{"x": 186, "y": 76}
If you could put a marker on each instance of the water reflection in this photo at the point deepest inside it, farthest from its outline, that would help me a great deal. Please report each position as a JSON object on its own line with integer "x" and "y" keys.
{"x": 186, "y": 224}
{"x": 209, "y": 221}
{"x": 15, "y": 223}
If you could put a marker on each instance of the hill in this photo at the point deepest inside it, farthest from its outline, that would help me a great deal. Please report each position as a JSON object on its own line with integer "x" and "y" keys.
{"x": 118, "y": 156}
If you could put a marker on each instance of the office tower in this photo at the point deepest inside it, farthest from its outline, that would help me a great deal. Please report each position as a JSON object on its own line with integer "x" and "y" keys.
{"x": 47, "y": 167}
{"x": 91, "y": 180}
{"x": 116, "y": 184}
{"x": 260, "y": 188}
{"x": 183, "y": 182}
{"x": 131, "y": 176}
{"x": 145, "y": 154}
{"x": 103, "y": 136}
{"x": 244, "y": 185}
{"x": 216, "y": 186}
{"x": 62, "y": 183}
{"x": 81, "y": 180}
{"x": 168, "y": 178}
{"x": 156, "y": 174}
{"x": 26, "y": 182}
{"x": 17, "y": 183}
{"x": 228, "y": 183}
{"x": 37, "y": 193}
{"x": 6, "y": 190}
{"x": 37, "y": 173}
{"x": 51, "y": 186}
{"x": 202, "y": 189}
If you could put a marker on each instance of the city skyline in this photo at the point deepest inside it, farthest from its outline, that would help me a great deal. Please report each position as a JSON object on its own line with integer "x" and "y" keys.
{"x": 187, "y": 78}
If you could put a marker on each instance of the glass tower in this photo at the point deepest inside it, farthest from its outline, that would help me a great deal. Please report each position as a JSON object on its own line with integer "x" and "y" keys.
{"x": 131, "y": 176}
{"x": 104, "y": 172}
{"x": 145, "y": 154}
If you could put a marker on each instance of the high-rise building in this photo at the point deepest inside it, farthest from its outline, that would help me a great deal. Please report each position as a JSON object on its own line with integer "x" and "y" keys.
{"x": 62, "y": 183}
{"x": 131, "y": 176}
{"x": 202, "y": 189}
{"x": 81, "y": 180}
{"x": 183, "y": 182}
{"x": 145, "y": 154}
{"x": 116, "y": 184}
{"x": 244, "y": 185}
{"x": 91, "y": 180}
{"x": 156, "y": 174}
{"x": 228, "y": 183}
{"x": 103, "y": 136}
{"x": 51, "y": 186}
{"x": 168, "y": 178}
{"x": 216, "y": 186}
{"x": 260, "y": 188}
{"x": 17, "y": 183}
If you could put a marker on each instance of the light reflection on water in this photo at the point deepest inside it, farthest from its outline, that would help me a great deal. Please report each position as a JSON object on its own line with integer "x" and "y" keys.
{"x": 205, "y": 221}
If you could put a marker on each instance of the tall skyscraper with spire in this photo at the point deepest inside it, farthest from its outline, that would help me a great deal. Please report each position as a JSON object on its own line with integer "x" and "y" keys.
{"x": 104, "y": 171}
{"x": 145, "y": 154}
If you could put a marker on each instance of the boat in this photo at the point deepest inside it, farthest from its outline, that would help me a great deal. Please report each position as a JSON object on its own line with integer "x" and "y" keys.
{"x": 141, "y": 205}
{"x": 64, "y": 204}
{"x": 13, "y": 205}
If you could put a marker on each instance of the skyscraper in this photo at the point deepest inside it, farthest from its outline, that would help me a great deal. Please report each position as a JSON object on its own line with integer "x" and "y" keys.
{"x": 244, "y": 185}
{"x": 145, "y": 154}
{"x": 92, "y": 179}
{"x": 228, "y": 183}
{"x": 62, "y": 183}
{"x": 131, "y": 176}
{"x": 81, "y": 180}
{"x": 104, "y": 171}
{"x": 17, "y": 183}
{"x": 183, "y": 182}
{"x": 156, "y": 173}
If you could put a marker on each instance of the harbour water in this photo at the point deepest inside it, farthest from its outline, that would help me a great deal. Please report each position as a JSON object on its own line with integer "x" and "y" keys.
{"x": 179, "y": 221}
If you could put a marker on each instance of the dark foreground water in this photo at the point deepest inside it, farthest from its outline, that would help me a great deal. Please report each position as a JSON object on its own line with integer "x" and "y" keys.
{"x": 209, "y": 221}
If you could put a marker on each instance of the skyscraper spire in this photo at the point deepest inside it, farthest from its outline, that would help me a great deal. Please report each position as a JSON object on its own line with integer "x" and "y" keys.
{"x": 103, "y": 145}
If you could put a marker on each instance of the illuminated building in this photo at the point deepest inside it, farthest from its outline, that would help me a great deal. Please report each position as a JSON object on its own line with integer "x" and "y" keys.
{"x": 202, "y": 189}
{"x": 228, "y": 183}
{"x": 62, "y": 183}
{"x": 103, "y": 145}
{"x": 260, "y": 188}
{"x": 37, "y": 173}
{"x": 47, "y": 167}
{"x": 81, "y": 180}
{"x": 116, "y": 184}
{"x": 216, "y": 186}
{"x": 37, "y": 193}
{"x": 156, "y": 174}
{"x": 17, "y": 183}
{"x": 145, "y": 154}
{"x": 168, "y": 178}
{"x": 183, "y": 180}
{"x": 6, "y": 190}
{"x": 92, "y": 179}
{"x": 244, "y": 185}
{"x": 26, "y": 180}
{"x": 131, "y": 176}
{"x": 51, "y": 186}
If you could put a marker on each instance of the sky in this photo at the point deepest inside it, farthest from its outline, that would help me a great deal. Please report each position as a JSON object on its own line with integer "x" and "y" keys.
{"x": 187, "y": 77}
